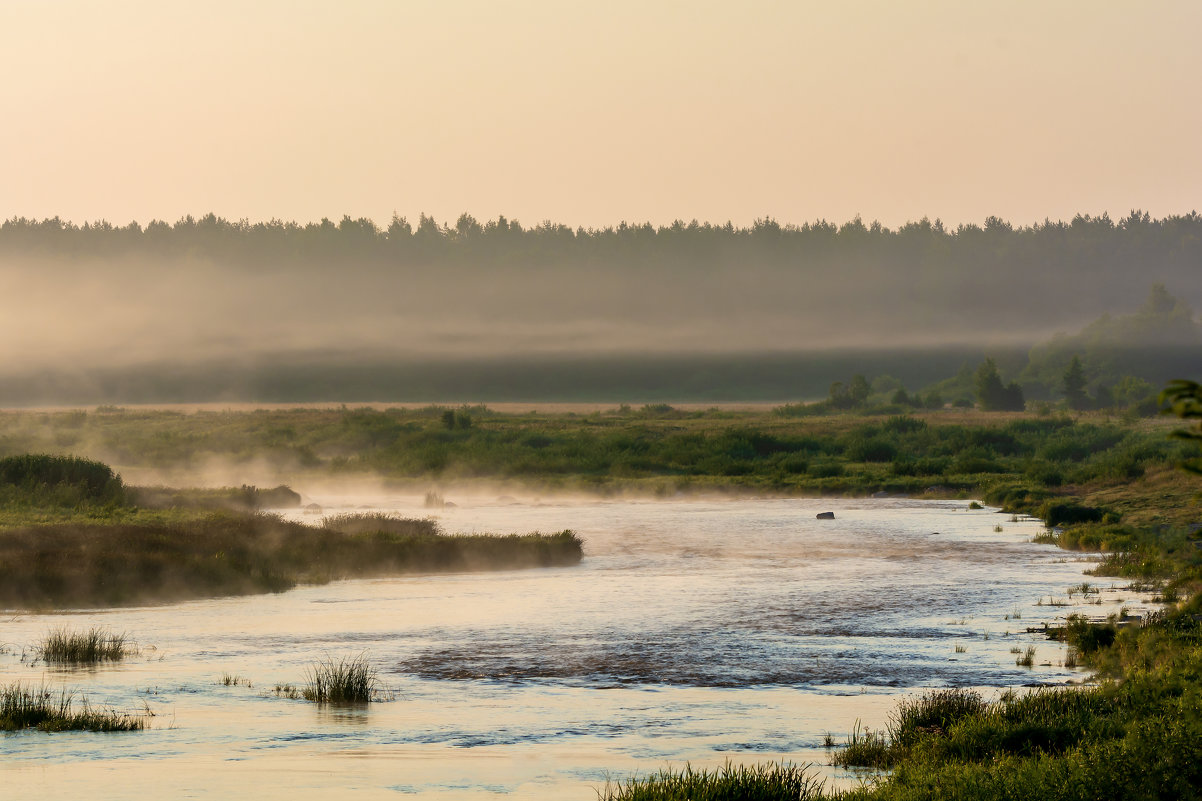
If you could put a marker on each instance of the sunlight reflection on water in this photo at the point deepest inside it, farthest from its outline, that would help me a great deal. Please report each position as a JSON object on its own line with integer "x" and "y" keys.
{"x": 700, "y": 631}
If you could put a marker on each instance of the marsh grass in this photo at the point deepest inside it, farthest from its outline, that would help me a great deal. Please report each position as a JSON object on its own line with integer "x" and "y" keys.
{"x": 89, "y": 647}
{"x": 864, "y": 749}
{"x": 88, "y": 563}
{"x": 375, "y": 522}
{"x": 1027, "y": 659}
{"x": 26, "y": 707}
{"x": 345, "y": 680}
{"x": 234, "y": 680}
{"x": 932, "y": 713}
{"x": 771, "y": 782}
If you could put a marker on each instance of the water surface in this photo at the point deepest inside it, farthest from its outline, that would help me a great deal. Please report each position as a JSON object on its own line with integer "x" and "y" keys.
{"x": 698, "y": 631}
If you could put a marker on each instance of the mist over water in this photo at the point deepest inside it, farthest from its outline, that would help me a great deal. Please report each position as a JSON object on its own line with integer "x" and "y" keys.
{"x": 693, "y": 630}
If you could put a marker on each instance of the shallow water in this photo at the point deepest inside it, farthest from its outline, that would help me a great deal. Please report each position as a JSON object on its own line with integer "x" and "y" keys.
{"x": 698, "y": 631}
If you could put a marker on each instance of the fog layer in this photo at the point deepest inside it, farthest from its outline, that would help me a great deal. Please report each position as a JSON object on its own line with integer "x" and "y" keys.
{"x": 94, "y": 297}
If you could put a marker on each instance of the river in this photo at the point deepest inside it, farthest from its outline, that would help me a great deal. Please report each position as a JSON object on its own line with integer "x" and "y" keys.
{"x": 694, "y": 631}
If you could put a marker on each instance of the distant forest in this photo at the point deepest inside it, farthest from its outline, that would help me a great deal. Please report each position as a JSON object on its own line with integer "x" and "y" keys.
{"x": 620, "y": 309}
{"x": 993, "y": 257}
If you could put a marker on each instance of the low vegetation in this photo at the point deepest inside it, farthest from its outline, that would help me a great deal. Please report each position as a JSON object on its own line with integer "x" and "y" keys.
{"x": 84, "y": 647}
{"x": 89, "y": 563}
{"x": 729, "y": 783}
{"x": 346, "y": 680}
{"x": 28, "y": 707}
{"x": 1135, "y": 735}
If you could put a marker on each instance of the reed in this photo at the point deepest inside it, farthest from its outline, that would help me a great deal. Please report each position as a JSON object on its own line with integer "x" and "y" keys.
{"x": 933, "y": 712}
{"x": 864, "y": 749}
{"x": 377, "y": 522}
{"x": 84, "y": 647}
{"x": 771, "y": 782}
{"x": 28, "y": 707}
{"x": 346, "y": 680}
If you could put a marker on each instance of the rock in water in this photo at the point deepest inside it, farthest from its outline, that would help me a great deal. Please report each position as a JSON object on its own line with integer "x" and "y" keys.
{"x": 826, "y": 515}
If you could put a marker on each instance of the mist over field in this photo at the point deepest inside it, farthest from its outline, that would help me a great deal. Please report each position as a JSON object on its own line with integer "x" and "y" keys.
{"x": 206, "y": 298}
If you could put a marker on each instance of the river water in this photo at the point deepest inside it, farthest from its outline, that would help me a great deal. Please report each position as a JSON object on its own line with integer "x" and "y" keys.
{"x": 693, "y": 631}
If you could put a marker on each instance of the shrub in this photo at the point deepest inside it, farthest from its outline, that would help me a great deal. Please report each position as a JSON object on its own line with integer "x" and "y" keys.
{"x": 1059, "y": 513}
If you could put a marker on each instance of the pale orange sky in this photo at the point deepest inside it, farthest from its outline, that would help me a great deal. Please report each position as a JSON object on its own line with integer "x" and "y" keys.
{"x": 592, "y": 113}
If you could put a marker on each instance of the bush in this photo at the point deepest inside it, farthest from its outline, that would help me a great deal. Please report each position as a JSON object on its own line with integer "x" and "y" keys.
{"x": 89, "y": 479}
{"x": 1059, "y": 513}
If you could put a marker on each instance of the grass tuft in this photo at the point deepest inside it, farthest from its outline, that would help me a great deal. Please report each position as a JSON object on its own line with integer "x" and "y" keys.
{"x": 864, "y": 749}
{"x": 347, "y": 680}
{"x": 24, "y": 707}
{"x": 772, "y": 782}
{"x": 933, "y": 712}
{"x": 85, "y": 647}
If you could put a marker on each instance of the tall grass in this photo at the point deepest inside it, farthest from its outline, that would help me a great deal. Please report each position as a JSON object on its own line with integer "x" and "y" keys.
{"x": 377, "y": 522}
{"x": 346, "y": 680}
{"x": 773, "y": 782}
{"x": 931, "y": 713}
{"x": 864, "y": 749}
{"x": 25, "y": 707}
{"x": 90, "y": 563}
{"x": 84, "y": 647}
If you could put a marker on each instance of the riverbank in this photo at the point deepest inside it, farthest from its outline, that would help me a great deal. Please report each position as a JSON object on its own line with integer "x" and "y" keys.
{"x": 156, "y": 559}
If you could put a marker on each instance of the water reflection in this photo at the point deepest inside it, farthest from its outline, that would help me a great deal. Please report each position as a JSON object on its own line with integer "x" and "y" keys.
{"x": 698, "y": 631}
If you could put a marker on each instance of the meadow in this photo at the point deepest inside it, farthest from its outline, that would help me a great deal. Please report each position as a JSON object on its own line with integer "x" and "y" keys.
{"x": 1102, "y": 482}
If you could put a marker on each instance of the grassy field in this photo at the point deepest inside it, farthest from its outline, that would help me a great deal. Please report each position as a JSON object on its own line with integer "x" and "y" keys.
{"x": 83, "y": 537}
{"x": 653, "y": 450}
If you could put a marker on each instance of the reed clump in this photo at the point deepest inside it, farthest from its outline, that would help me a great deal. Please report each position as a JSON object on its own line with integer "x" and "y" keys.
{"x": 89, "y": 647}
{"x": 378, "y": 522}
{"x": 28, "y": 707}
{"x": 864, "y": 749}
{"x": 345, "y": 680}
{"x": 773, "y": 782}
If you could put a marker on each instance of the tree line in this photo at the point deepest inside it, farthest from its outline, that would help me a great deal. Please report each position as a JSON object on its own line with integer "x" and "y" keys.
{"x": 1095, "y": 241}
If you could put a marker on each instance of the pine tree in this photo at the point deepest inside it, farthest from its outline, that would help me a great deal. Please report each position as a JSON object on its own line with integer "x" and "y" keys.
{"x": 1074, "y": 385}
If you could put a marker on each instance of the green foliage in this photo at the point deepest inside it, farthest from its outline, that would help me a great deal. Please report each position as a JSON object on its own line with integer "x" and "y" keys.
{"x": 108, "y": 563}
{"x": 26, "y": 707}
{"x": 850, "y": 396}
{"x": 932, "y": 713}
{"x": 1074, "y": 385}
{"x": 782, "y": 782}
{"x": 992, "y": 395}
{"x": 1059, "y": 513}
{"x": 1184, "y": 399}
{"x": 44, "y": 479}
{"x": 1120, "y": 353}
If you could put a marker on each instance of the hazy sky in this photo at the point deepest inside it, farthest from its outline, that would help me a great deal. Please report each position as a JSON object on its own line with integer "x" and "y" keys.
{"x": 591, "y": 113}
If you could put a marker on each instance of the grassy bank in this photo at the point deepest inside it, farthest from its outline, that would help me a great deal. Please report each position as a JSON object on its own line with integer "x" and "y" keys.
{"x": 650, "y": 450}
{"x": 87, "y": 563}
{"x": 1137, "y": 734}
